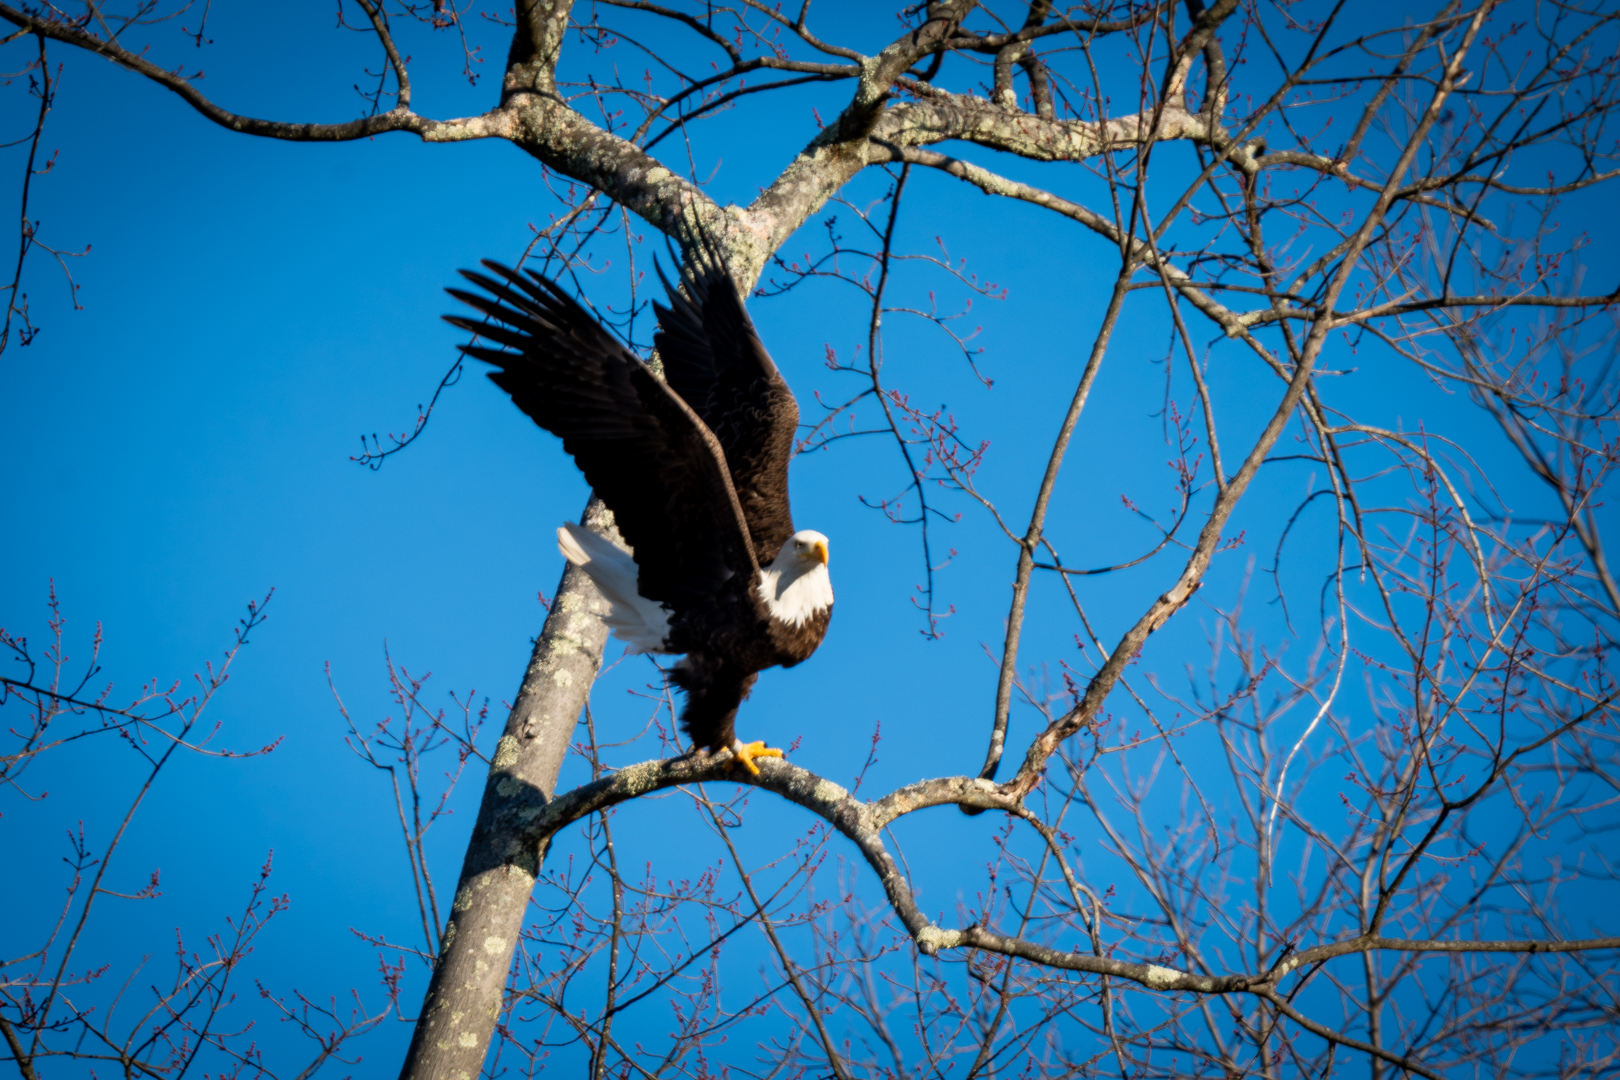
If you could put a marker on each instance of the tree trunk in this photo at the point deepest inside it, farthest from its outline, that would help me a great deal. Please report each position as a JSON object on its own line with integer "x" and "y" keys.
{"x": 465, "y": 995}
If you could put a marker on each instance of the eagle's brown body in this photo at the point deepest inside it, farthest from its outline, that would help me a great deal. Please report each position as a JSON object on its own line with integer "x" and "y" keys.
{"x": 694, "y": 470}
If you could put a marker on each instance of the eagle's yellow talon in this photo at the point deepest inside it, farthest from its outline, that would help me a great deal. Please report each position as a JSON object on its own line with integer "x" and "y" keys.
{"x": 745, "y": 753}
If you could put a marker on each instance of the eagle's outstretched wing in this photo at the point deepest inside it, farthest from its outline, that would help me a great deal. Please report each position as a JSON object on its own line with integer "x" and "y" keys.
{"x": 643, "y": 449}
{"x": 716, "y": 362}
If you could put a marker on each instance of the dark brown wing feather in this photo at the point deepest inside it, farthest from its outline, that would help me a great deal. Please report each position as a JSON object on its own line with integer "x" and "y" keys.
{"x": 714, "y": 359}
{"x": 643, "y": 450}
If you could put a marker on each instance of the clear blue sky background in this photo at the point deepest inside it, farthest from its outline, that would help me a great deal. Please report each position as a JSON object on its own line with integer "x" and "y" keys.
{"x": 250, "y": 307}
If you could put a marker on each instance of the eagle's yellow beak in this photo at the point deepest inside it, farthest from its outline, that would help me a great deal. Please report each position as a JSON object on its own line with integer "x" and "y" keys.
{"x": 818, "y": 552}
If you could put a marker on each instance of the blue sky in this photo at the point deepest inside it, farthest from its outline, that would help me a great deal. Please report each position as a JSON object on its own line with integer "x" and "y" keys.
{"x": 250, "y": 308}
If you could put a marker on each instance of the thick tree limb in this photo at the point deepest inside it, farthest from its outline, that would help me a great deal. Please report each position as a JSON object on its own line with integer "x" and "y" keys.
{"x": 862, "y": 823}
{"x": 465, "y": 996}
{"x": 493, "y": 124}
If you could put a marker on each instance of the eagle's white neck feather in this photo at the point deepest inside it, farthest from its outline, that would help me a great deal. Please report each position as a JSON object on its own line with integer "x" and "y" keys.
{"x": 794, "y": 589}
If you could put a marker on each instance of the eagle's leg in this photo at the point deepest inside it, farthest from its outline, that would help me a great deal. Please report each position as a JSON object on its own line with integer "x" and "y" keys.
{"x": 714, "y": 692}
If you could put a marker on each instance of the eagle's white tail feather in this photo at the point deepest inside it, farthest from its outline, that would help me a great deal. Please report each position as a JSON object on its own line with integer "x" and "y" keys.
{"x": 635, "y": 620}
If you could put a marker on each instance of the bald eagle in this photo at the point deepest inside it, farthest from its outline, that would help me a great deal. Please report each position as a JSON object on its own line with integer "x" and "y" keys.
{"x": 694, "y": 469}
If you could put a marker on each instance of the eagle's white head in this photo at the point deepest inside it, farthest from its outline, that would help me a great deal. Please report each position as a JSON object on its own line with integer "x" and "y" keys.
{"x": 795, "y": 585}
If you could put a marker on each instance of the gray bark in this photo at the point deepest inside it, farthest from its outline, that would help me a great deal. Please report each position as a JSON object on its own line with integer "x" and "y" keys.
{"x": 465, "y": 995}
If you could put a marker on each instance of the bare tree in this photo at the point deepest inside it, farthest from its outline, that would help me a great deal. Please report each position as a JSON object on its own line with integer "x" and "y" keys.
{"x": 1423, "y": 724}
{"x": 58, "y": 1001}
